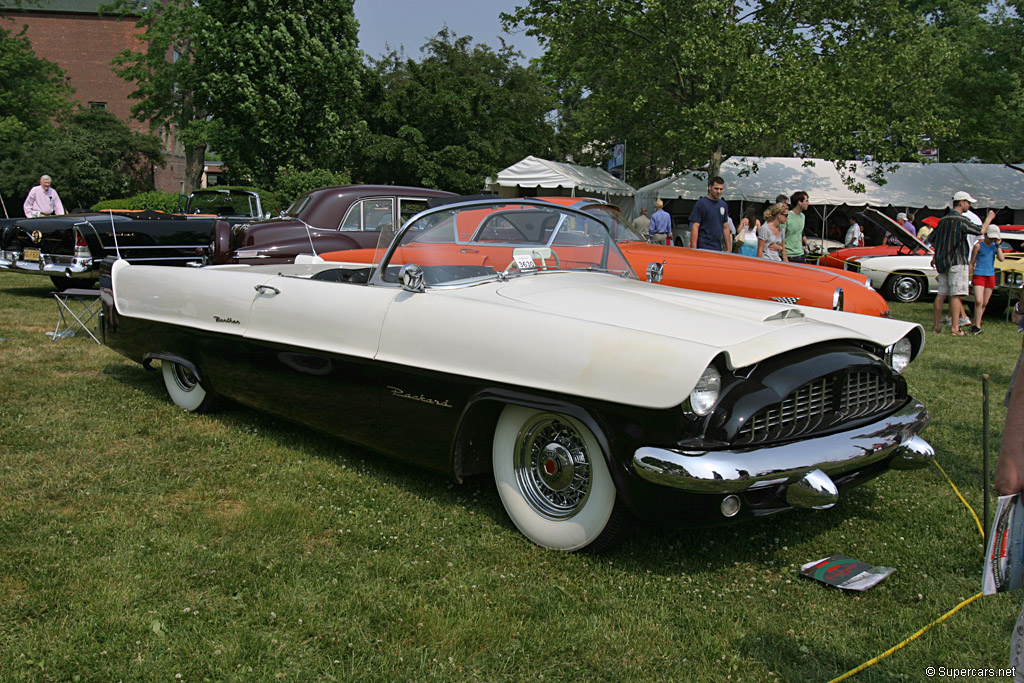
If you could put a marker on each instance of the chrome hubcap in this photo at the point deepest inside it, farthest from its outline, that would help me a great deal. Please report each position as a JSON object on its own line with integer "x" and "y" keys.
{"x": 907, "y": 288}
{"x": 552, "y": 466}
{"x": 184, "y": 378}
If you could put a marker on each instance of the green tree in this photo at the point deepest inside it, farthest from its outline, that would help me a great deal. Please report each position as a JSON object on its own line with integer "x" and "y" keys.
{"x": 96, "y": 156}
{"x": 33, "y": 97}
{"x": 687, "y": 85}
{"x": 170, "y": 74}
{"x": 284, "y": 81}
{"x": 460, "y": 114}
{"x": 985, "y": 95}
{"x": 268, "y": 83}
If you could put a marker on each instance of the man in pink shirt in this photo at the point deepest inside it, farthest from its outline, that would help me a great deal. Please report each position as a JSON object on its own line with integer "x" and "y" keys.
{"x": 42, "y": 200}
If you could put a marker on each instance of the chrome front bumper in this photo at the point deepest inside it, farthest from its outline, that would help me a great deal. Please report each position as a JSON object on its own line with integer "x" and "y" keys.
{"x": 804, "y": 468}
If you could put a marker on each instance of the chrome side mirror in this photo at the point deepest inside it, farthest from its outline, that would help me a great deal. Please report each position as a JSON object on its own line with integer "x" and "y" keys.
{"x": 655, "y": 271}
{"x": 411, "y": 277}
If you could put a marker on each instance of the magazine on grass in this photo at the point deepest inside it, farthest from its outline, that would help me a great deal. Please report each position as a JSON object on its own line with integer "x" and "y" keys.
{"x": 1004, "y": 556}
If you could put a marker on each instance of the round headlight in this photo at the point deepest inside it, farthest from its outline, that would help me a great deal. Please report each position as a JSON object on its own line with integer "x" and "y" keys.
{"x": 900, "y": 354}
{"x": 705, "y": 395}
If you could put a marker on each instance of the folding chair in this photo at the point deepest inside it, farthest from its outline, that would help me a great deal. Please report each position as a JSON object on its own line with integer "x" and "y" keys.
{"x": 87, "y": 301}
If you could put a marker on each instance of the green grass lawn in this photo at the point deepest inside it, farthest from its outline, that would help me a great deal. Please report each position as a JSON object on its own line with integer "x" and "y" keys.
{"x": 139, "y": 542}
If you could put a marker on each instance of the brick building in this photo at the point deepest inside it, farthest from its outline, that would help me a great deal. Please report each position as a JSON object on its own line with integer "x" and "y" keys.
{"x": 73, "y": 34}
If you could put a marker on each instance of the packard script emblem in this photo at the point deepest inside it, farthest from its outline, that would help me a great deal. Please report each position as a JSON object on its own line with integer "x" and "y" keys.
{"x": 399, "y": 393}
{"x": 37, "y": 236}
{"x": 230, "y": 321}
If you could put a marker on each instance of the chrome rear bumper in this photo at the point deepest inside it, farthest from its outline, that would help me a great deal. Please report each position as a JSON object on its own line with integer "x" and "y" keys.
{"x": 67, "y": 266}
{"x": 805, "y": 468}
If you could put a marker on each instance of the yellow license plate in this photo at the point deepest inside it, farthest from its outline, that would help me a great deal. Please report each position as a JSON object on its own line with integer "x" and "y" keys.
{"x": 30, "y": 255}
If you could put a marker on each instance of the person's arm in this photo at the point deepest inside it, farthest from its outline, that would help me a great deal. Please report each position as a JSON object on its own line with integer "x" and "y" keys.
{"x": 999, "y": 250}
{"x": 726, "y": 237}
{"x": 974, "y": 256}
{"x": 58, "y": 208}
{"x": 1010, "y": 465}
{"x": 760, "y": 248}
{"x": 988, "y": 221}
{"x": 694, "y": 229}
{"x": 30, "y": 203}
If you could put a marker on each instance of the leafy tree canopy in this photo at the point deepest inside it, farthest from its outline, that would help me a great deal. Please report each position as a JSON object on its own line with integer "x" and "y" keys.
{"x": 284, "y": 82}
{"x": 687, "y": 85}
{"x": 33, "y": 96}
{"x": 269, "y": 83}
{"x": 460, "y": 114}
{"x": 96, "y": 156}
{"x": 985, "y": 95}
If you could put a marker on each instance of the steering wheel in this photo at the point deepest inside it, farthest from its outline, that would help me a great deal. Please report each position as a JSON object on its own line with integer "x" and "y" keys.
{"x": 514, "y": 265}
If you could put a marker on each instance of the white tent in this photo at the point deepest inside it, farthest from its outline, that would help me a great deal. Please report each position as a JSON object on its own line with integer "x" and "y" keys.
{"x": 553, "y": 178}
{"x": 912, "y": 185}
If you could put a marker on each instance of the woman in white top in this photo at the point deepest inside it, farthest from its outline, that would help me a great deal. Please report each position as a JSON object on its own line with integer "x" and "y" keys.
{"x": 746, "y": 236}
{"x": 771, "y": 235}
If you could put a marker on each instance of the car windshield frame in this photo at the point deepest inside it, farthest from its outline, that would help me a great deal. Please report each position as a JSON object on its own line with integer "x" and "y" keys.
{"x": 529, "y": 232}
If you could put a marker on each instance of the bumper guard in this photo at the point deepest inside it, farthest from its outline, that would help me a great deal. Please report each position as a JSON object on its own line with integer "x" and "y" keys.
{"x": 803, "y": 467}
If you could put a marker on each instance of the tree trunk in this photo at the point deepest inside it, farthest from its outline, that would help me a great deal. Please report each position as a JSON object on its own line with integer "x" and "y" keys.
{"x": 715, "y": 164}
{"x": 195, "y": 158}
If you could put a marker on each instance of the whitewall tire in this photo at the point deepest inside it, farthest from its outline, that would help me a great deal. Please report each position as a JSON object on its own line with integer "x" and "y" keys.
{"x": 184, "y": 389}
{"x": 553, "y": 481}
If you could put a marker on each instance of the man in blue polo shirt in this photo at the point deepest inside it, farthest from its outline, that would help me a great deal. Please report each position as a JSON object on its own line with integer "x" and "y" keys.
{"x": 709, "y": 220}
{"x": 660, "y": 226}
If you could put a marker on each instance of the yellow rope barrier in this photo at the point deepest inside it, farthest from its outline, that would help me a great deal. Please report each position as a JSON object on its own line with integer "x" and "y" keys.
{"x": 947, "y": 615}
{"x": 981, "y": 529}
{"x": 888, "y": 652}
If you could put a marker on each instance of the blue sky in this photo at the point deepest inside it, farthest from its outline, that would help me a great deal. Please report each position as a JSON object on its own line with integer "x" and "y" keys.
{"x": 410, "y": 23}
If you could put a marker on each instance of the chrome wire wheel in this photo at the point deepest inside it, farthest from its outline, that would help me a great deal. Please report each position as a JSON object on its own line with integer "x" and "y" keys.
{"x": 552, "y": 466}
{"x": 183, "y": 377}
{"x": 554, "y": 483}
{"x": 184, "y": 388}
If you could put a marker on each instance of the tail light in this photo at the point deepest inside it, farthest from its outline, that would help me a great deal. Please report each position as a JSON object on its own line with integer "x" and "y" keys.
{"x": 81, "y": 247}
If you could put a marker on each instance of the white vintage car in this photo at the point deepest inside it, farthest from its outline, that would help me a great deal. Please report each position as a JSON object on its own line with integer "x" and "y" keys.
{"x": 907, "y": 276}
{"x": 511, "y": 336}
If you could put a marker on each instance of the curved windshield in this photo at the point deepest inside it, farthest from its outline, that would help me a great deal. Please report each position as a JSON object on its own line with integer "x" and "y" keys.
{"x": 621, "y": 230}
{"x": 478, "y": 241}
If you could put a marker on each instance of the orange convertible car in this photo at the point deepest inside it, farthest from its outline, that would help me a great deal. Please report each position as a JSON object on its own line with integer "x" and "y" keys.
{"x": 680, "y": 267}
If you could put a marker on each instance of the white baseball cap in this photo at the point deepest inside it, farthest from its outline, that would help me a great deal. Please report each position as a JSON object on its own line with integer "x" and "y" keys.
{"x": 961, "y": 196}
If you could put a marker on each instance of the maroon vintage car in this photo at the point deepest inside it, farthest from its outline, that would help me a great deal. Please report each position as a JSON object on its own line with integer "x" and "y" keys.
{"x": 328, "y": 219}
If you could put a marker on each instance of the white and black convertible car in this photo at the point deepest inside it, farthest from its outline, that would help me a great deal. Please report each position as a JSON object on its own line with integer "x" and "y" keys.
{"x": 512, "y": 336}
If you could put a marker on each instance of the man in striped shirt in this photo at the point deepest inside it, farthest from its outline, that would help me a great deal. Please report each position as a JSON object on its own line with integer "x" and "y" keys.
{"x": 952, "y": 258}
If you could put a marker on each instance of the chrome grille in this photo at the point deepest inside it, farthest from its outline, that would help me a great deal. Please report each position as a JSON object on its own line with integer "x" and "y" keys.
{"x": 815, "y": 406}
{"x": 866, "y": 393}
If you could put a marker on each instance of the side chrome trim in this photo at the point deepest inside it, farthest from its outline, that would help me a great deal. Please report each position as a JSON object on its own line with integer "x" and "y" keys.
{"x": 720, "y": 472}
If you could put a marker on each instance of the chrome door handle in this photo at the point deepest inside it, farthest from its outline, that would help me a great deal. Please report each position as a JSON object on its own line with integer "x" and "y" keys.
{"x": 265, "y": 289}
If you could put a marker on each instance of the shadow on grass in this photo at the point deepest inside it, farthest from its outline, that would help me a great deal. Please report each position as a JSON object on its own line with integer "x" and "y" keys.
{"x": 659, "y": 548}
{"x": 42, "y": 290}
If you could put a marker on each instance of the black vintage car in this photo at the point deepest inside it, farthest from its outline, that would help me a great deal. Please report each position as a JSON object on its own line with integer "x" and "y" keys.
{"x": 69, "y": 248}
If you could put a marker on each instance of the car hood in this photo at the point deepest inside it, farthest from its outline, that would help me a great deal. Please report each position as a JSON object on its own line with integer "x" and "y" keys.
{"x": 879, "y": 219}
{"x": 607, "y": 337}
{"x": 730, "y": 263}
{"x": 748, "y": 330}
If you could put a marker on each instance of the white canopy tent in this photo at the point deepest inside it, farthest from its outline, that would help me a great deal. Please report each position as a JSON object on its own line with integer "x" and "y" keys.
{"x": 912, "y": 186}
{"x": 552, "y": 178}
